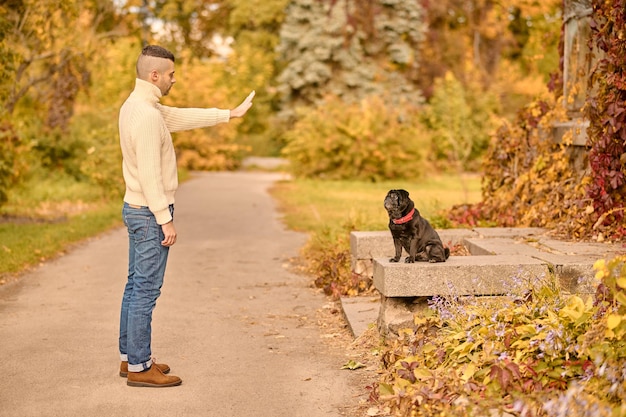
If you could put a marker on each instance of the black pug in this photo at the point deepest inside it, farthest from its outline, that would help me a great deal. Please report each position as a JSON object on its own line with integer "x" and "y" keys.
{"x": 411, "y": 231}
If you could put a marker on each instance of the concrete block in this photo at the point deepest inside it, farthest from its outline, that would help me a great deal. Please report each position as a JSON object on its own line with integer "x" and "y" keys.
{"x": 360, "y": 313}
{"x": 499, "y": 257}
{"x": 499, "y": 246}
{"x": 398, "y": 313}
{"x": 369, "y": 245}
{"x": 509, "y": 232}
{"x": 453, "y": 237}
{"x": 577, "y": 128}
{"x": 363, "y": 267}
{"x": 591, "y": 249}
{"x": 459, "y": 275}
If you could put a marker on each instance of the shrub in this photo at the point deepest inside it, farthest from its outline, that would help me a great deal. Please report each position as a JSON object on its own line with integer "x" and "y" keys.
{"x": 196, "y": 151}
{"x": 529, "y": 180}
{"x": 10, "y": 166}
{"x": 459, "y": 119}
{"x": 370, "y": 140}
{"x": 605, "y": 109}
{"x": 328, "y": 259}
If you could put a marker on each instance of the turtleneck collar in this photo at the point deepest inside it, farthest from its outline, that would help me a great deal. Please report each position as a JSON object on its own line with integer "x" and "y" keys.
{"x": 147, "y": 90}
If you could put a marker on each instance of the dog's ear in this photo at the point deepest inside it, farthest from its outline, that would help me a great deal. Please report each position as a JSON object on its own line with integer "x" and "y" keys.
{"x": 404, "y": 193}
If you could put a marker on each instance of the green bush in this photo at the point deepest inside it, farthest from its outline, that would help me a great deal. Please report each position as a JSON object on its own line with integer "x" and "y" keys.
{"x": 460, "y": 120}
{"x": 369, "y": 140}
{"x": 58, "y": 150}
{"x": 9, "y": 165}
{"x": 196, "y": 151}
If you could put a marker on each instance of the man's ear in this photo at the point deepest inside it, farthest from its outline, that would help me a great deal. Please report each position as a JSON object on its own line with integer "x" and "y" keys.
{"x": 154, "y": 75}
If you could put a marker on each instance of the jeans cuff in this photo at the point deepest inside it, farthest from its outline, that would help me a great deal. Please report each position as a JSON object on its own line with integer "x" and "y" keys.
{"x": 140, "y": 367}
{"x": 123, "y": 357}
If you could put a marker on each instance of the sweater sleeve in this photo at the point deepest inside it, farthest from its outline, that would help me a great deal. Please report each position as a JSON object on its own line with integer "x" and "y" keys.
{"x": 178, "y": 119}
{"x": 148, "y": 145}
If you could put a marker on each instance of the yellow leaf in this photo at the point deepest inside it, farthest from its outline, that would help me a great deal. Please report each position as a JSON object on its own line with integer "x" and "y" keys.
{"x": 385, "y": 389}
{"x": 468, "y": 372}
{"x": 422, "y": 374}
{"x": 621, "y": 282}
{"x": 613, "y": 320}
{"x": 621, "y": 298}
{"x": 463, "y": 349}
{"x": 526, "y": 330}
{"x": 419, "y": 320}
{"x": 521, "y": 344}
{"x": 428, "y": 348}
{"x": 574, "y": 309}
{"x": 599, "y": 264}
{"x": 352, "y": 365}
{"x": 460, "y": 335}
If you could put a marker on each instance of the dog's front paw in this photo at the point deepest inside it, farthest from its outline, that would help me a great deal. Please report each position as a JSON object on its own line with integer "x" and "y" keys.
{"x": 394, "y": 259}
{"x": 409, "y": 260}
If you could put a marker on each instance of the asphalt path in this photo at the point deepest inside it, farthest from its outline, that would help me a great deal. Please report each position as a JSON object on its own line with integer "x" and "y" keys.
{"x": 239, "y": 328}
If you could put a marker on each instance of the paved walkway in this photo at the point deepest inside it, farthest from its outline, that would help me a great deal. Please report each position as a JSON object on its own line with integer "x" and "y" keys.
{"x": 238, "y": 328}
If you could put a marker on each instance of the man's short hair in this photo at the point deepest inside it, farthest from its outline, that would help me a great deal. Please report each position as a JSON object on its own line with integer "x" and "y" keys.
{"x": 158, "y": 52}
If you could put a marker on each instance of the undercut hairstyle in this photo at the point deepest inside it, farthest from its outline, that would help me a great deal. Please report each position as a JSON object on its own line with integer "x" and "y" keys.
{"x": 152, "y": 51}
{"x": 158, "y": 52}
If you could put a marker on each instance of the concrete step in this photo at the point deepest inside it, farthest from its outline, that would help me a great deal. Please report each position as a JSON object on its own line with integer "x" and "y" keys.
{"x": 459, "y": 275}
{"x": 369, "y": 245}
{"x": 361, "y": 312}
{"x": 500, "y": 259}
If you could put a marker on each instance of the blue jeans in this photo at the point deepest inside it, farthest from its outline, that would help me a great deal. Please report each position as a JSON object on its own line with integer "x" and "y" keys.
{"x": 147, "y": 259}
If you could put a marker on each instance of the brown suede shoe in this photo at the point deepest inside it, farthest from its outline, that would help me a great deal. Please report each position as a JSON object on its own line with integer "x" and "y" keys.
{"x": 153, "y": 377}
{"x": 124, "y": 368}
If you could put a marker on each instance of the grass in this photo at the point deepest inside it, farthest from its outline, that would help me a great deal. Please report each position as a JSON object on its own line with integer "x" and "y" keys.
{"x": 26, "y": 243}
{"x": 312, "y": 205}
{"x": 46, "y": 216}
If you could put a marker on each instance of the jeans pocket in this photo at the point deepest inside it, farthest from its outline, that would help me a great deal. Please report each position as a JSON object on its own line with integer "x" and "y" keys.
{"x": 138, "y": 226}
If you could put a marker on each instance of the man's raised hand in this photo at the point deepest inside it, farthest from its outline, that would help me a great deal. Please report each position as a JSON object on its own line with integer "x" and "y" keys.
{"x": 241, "y": 109}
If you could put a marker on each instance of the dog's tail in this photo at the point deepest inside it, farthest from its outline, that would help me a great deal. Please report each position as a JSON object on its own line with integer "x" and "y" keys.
{"x": 447, "y": 252}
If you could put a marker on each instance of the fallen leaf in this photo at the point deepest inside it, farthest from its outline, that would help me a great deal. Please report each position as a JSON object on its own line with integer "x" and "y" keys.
{"x": 374, "y": 411}
{"x": 352, "y": 365}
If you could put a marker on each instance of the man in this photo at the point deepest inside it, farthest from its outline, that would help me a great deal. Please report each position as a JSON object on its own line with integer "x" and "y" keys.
{"x": 150, "y": 173}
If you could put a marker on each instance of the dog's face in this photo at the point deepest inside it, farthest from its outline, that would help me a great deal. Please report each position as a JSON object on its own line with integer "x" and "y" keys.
{"x": 396, "y": 202}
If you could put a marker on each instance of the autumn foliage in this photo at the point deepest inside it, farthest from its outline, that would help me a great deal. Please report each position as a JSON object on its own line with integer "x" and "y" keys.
{"x": 530, "y": 180}
{"x": 536, "y": 352}
{"x": 606, "y": 111}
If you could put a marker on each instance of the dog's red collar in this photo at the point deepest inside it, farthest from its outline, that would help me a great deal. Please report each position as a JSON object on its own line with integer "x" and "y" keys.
{"x": 404, "y": 219}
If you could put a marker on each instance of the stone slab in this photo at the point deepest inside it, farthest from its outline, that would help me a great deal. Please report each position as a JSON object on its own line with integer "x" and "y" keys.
{"x": 377, "y": 244}
{"x": 499, "y": 246}
{"x": 498, "y": 258}
{"x": 369, "y": 245}
{"x": 459, "y": 275}
{"x": 577, "y": 128}
{"x": 509, "y": 232}
{"x": 360, "y": 313}
{"x": 593, "y": 249}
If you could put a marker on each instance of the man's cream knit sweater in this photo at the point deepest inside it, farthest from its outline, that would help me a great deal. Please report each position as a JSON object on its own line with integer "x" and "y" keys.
{"x": 149, "y": 160}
